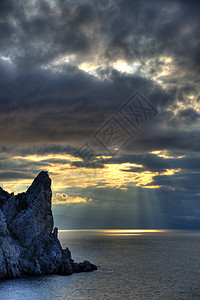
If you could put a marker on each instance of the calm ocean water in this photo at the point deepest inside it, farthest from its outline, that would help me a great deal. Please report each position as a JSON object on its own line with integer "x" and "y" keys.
{"x": 133, "y": 265}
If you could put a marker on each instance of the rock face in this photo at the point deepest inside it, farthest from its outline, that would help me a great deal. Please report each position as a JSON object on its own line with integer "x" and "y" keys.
{"x": 28, "y": 243}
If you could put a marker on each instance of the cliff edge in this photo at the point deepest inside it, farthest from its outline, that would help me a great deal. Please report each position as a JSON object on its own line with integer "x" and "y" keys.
{"x": 28, "y": 243}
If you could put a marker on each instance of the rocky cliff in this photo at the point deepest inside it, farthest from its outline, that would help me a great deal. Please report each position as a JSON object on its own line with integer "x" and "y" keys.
{"x": 28, "y": 243}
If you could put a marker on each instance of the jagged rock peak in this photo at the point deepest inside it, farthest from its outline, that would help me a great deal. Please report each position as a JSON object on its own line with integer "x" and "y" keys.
{"x": 42, "y": 180}
{"x": 28, "y": 243}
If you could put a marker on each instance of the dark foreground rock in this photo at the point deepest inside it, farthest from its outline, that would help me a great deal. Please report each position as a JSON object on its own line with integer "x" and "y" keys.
{"x": 28, "y": 243}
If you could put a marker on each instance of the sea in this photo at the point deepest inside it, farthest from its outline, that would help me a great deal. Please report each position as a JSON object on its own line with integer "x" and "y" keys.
{"x": 132, "y": 264}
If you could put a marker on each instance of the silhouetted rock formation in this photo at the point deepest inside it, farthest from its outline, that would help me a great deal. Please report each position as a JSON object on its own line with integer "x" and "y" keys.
{"x": 28, "y": 243}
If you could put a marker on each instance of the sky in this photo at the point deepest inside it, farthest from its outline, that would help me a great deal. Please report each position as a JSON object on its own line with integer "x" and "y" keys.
{"x": 105, "y": 96}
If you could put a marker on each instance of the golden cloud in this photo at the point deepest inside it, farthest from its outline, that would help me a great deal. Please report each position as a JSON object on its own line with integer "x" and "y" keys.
{"x": 64, "y": 175}
{"x": 62, "y": 198}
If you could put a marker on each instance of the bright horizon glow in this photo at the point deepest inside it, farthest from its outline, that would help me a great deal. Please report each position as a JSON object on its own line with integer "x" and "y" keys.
{"x": 118, "y": 232}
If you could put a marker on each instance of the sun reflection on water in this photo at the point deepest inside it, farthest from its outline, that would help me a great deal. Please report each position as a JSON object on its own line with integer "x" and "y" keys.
{"x": 115, "y": 232}
{"x": 132, "y": 231}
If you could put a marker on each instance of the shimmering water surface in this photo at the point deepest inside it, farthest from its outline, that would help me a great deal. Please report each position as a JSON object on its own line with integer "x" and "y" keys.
{"x": 133, "y": 264}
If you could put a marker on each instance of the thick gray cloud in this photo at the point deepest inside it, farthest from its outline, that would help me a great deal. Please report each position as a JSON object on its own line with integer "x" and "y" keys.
{"x": 41, "y": 104}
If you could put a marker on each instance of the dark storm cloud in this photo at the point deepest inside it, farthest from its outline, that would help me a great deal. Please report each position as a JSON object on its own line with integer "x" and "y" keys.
{"x": 39, "y": 105}
{"x": 188, "y": 116}
{"x": 159, "y": 164}
{"x": 33, "y": 26}
{"x": 5, "y": 176}
{"x": 184, "y": 181}
{"x": 42, "y": 106}
{"x": 37, "y": 149}
{"x": 40, "y": 32}
{"x": 156, "y": 28}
